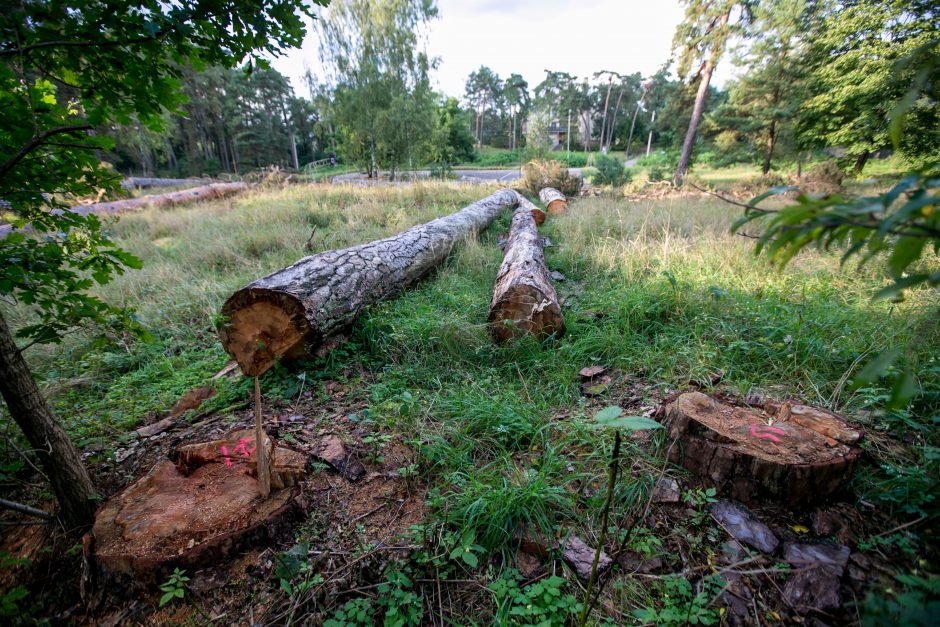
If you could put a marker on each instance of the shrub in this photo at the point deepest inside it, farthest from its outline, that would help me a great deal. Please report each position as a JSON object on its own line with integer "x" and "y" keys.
{"x": 825, "y": 178}
{"x": 610, "y": 171}
{"x": 537, "y": 175}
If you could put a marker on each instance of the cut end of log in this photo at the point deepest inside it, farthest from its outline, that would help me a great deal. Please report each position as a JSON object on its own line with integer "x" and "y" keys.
{"x": 798, "y": 454}
{"x": 553, "y": 200}
{"x": 538, "y": 215}
{"x": 263, "y": 326}
{"x": 522, "y": 310}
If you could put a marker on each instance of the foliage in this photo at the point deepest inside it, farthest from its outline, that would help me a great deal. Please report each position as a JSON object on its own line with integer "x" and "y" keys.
{"x": 864, "y": 57}
{"x": 294, "y": 573}
{"x": 382, "y": 101}
{"x": 537, "y": 175}
{"x": 542, "y": 603}
{"x": 357, "y": 612}
{"x": 467, "y": 549}
{"x": 682, "y": 605}
{"x": 451, "y": 142}
{"x": 174, "y": 587}
{"x": 915, "y": 604}
{"x": 902, "y": 224}
{"x": 610, "y": 171}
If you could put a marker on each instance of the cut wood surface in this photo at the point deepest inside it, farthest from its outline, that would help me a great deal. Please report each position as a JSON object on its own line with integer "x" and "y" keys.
{"x": 191, "y": 513}
{"x": 537, "y": 214}
{"x": 524, "y": 299}
{"x": 206, "y": 192}
{"x": 553, "y": 200}
{"x": 290, "y": 313}
{"x": 792, "y": 453}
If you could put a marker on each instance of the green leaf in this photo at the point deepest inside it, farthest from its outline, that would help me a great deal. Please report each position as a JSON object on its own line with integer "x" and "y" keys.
{"x": 470, "y": 559}
{"x": 166, "y": 598}
{"x": 878, "y": 367}
{"x": 608, "y": 413}
{"x": 906, "y": 251}
{"x": 633, "y": 423}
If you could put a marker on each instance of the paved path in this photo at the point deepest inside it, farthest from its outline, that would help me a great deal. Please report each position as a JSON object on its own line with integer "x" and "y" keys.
{"x": 468, "y": 176}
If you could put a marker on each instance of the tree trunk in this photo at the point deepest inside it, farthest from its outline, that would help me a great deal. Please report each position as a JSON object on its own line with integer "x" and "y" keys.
{"x": 610, "y": 84}
{"x": 291, "y": 312}
{"x": 699, "y": 108}
{"x": 860, "y": 162}
{"x": 58, "y": 456}
{"x": 771, "y": 140}
{"x": 791, "y": 453}
{"x": 626, "y": 154}
{"x": 524, "y": 299}
{"x": 194, "y": 194}
{"x": 613, "y": 122}
{"x": 553, "y": 200}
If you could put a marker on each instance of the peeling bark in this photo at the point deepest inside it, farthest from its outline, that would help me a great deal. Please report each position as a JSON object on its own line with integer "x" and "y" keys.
{"x": 524, "y": 299}
{"x": 291, "y": 312}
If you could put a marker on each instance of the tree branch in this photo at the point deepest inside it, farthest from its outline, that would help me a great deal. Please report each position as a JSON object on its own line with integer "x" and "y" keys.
{"x": 71, "y": 44}
{"x": 37, "y": 141}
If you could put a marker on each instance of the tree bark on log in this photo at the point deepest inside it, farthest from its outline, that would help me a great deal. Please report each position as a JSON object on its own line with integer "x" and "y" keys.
{"x": 206, "y": 192}
{"x": 791, "y": 453}
{"x": 553, "y": 200}
{"x": 524, "y": 299}
{"x": 291, "y": 312}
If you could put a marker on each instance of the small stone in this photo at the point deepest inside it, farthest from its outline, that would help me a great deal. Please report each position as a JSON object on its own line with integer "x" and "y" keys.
{"x": 831, "y": 557}
{"x": 557, "y": 276}
{"x": 812, "y": 589}
{"x": 666, "y": 490}
{"x": 580, "y": 557}
{"x": 592, "y": 371}
{"x": 333, "y": 451}
{"x": 529, "y": 565}
{"x": 123, "y": 454}
{"x": 744, "y": 526}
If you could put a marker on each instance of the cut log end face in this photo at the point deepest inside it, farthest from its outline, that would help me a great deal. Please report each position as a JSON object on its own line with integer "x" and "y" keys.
{"x": 799, "y": 457}
{"x": 525, "y": 309}
{"x": 557, "y": 206}
{"x": 262, "y": 326}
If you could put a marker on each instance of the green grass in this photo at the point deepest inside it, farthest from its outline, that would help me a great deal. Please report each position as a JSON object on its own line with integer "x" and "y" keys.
{"x": 503, "y": 435}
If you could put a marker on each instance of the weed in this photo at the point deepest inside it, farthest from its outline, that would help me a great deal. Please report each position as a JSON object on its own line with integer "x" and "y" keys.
{"x": 915, "y": 602}
{"x": 681, "y": 605}
{"x": 174, "y": 587}
{"x": 541, "y": 603}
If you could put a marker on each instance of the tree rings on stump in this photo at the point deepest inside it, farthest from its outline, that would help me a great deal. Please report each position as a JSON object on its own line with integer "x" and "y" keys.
{"x": 792, "y": 453}
{"x": 553, "y": 200}
{"x": 193, "y": 511}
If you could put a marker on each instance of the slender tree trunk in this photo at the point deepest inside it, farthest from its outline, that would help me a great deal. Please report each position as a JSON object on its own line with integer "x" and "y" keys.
{"x": 626, "y": 154}
{"x": 58, "y": 456}
{"x": 861, "y": 161}
{"x": 613, "y": 123}
{"x": 699, "y": 107}
{"x": 610, "y": 84}
{"x": 771, "y": 140}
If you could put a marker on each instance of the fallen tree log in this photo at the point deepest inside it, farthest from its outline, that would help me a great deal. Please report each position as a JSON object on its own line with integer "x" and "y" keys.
{"x": 524, "y": 299}
{"x": 206, "y": 192}
{"x": 791, "y": 453}
{"x": 139, "y": 182}
{"x": 291, "y": 312}
{"x": 537, "y": 214}
{"x": 553, "y": 200}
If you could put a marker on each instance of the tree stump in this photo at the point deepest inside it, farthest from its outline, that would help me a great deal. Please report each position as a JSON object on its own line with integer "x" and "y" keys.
{"x": 553, "y": 200}
{"x": 291, "y": 312}
{"x": 191, "y": 512}
{"x": 524, "y": 299}
{"x": 792, "y": 453}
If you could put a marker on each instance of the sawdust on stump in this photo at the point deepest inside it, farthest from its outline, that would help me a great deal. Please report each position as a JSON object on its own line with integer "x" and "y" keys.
{"x": 193, "y": 511}
{"x": 792, "y": 453}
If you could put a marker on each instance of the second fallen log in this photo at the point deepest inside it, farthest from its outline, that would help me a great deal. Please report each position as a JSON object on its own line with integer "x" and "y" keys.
{"x": 289, "y": 313}
{"x": 524, "y": 299}
{"x": 553, "y": 200}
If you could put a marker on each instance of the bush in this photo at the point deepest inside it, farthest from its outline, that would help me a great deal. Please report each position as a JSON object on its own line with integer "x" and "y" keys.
{"x": 825, "y": 178}
{"x": 610, "y": 171}
{"x": 537, "y": 175}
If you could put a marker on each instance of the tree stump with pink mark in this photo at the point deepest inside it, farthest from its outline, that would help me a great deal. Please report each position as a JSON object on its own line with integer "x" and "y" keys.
{"x": 792, "y": 453}
{"x": 196, "y": 510}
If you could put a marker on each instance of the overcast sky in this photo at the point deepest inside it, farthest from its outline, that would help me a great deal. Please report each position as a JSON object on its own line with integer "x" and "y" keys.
{"x": 529, "y": 36}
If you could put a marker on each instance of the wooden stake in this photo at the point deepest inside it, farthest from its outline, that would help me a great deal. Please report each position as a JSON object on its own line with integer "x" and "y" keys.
{"x": 261, "y": 453}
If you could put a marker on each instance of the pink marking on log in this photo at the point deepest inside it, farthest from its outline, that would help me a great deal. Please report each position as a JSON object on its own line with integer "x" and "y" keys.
{"x": 243, "y": 447}
{"x": 766, "y": 436}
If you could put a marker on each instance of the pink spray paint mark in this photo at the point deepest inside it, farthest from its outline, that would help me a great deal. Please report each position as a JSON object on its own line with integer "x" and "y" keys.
{"x": 228, "y": 460}
{"x": 243, "y": 447}
{"x": 765, "y": 432}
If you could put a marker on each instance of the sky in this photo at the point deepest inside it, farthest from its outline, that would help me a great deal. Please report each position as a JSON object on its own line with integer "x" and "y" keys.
{"x": 528, "y": 37}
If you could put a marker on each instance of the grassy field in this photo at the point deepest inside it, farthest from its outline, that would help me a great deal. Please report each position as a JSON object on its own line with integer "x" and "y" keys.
{"x": 656, "y": 290}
